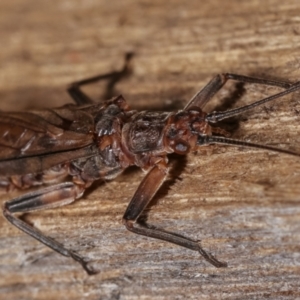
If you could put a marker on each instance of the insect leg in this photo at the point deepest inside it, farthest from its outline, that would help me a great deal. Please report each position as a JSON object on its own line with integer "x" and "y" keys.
{"x": 203, "y": 96}
{"x": 81, "y": 98}
{"x": 145, "y": 192}
{"x": 50, "y": 197}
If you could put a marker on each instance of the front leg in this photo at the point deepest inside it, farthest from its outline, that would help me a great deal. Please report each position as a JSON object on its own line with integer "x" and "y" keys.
{"x": 145, "y": 192}
{"x": 203, "y": 96}
{"x": 50, "y": 197}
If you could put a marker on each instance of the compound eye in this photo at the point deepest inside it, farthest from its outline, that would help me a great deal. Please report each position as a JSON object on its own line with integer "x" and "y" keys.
{"x": 181, "y": 147}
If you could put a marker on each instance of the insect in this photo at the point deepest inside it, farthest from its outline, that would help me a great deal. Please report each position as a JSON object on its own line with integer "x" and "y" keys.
{"x": 90, "y": 141}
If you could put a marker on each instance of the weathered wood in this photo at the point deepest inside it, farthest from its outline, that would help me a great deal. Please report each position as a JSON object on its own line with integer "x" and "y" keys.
{"x": 242, "y": 204}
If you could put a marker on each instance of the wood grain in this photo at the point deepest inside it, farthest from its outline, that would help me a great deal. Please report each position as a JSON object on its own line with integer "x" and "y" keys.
{"x": 242, "y": 204}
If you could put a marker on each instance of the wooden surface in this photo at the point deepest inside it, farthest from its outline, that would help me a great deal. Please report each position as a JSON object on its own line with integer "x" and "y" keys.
{"x": 242, "y": 204}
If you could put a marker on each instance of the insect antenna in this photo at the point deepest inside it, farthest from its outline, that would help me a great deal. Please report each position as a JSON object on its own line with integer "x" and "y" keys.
{"x": 204, "y": 140}
{"x": 217, "y": 116}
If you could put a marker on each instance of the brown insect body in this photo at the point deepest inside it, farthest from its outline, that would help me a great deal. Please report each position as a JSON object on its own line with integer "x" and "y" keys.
{"x": 37, "y": 147}
{"x": 92, "y": 141}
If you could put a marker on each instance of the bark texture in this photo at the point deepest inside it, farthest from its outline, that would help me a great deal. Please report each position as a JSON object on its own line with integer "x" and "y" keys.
{"x": 242, "y": 204}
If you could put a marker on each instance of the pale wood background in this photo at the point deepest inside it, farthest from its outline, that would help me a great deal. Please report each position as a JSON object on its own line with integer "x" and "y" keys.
{"x": 243, "y": 204}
